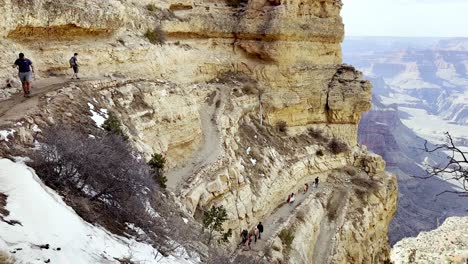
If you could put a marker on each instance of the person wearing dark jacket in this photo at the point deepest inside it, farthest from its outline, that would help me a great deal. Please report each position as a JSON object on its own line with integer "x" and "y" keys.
{"x": 316, "y": 182}
{"x": 260, "y": 230}
{"x": 26, "y": 69}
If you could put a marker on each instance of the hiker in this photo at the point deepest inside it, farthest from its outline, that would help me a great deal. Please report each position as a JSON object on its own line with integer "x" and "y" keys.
{"x": 316, "y": 182}
{"x": 25, "y": 67}
{"x": 292, "y": 199}
{"x": 306, "y": 187}
{"x": 289, "y": 199}
{"x": 260, "y": 230}
{"x": 256, "y": 233}
{"x": 244, "y": 235}
{"x": 74, "y": 64}
{"x": 251, "y": 236}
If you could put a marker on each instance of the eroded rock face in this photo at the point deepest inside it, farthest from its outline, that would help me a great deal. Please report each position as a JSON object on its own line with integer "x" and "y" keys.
{"x": 446, "y": 244}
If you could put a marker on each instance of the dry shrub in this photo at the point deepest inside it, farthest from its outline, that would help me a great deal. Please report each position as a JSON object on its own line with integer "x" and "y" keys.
{"x": 364, "y": 183}
{"x": 249, "y": 89}
{"x": 218, "y": 103}
{"x": 351, "y": 171}
{"x": 336, "y": 146}
{"x": 156, "y": 36}
{"x": 152, "y": 7}
{"x": 219, "y": 256}
{"x": 282, "y": 126}
{"x": 317, "y": 134}
{"x": 6, "y": 258}
{"x": 301, "y": 215}
{"x": 236, "y": 3}
{"x": 3, "y": 203}
{"x": 319, "y": 153}
{"x": 334, "y": 204}
{"x": 287, "y": 237}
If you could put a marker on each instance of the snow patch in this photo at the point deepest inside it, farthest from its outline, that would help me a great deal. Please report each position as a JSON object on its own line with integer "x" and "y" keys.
{"x": 253, "y": 161}
{"x": 4, "y": 134}
{"x": 100, "y": 116}
{"x": 248, "y": 150}
{"x": 46, "y": 219}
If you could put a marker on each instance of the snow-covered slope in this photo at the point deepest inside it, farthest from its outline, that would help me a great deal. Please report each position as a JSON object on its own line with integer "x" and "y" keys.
{"x": 49, "y": 230}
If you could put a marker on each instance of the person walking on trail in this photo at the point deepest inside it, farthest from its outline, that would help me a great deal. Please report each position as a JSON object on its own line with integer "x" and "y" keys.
{"x": 289, "y": 199}
{"x": 292, "y": 199}
{"x": 74, "y": 64}
{"x": 251, "y": 237}
{"x": 316, "y": 182}
{"x": 25, "y": 71}
{"x": 256, "y": 233}
{"x": 244, "y": 236}
{"x": 260, "y": 230}
{"x": 306, "y": 187}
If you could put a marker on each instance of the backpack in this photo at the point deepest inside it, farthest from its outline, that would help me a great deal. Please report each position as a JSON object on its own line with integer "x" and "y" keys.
{"x": 72, "y": 62}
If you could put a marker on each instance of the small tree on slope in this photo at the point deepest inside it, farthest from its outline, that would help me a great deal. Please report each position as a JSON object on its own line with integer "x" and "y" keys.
{"x": 213, "y": 220}
{"x": 157, "y": 164}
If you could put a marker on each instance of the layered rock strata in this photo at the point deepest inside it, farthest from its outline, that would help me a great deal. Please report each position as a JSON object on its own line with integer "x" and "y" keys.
{"x": 232, "y": 71}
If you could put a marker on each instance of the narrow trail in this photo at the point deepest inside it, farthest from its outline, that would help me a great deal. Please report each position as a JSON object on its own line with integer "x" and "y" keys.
{"x": 18, "y": 106}
{"x": 274, "y": 222}
{"x": 207, "y": 153}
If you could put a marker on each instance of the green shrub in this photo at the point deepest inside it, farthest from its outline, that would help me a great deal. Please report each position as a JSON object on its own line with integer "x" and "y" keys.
{"x": 114, "y": 126}
{"x": 152, "y": 7}
{"x": 157, "y": 164}
{"x": 156, "y": 36}
{"x": 287, "y": 237}
{"x": 213, "y": 220}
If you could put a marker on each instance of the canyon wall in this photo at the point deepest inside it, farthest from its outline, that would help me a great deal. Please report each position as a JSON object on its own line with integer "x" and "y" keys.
{"x": 209, "y": 95}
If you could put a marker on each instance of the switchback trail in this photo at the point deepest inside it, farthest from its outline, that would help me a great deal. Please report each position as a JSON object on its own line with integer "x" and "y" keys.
{"x": 274, "y": 221}
{"x": 207, "y": 153}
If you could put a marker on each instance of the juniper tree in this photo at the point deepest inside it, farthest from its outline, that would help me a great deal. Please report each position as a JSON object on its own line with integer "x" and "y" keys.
{"x": 213, "y": 221}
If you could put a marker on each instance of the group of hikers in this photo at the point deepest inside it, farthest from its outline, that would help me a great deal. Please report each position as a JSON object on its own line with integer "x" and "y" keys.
{"x": 252, "y": 236}
{"x": 255, "y": 234}
{"x": 26, "y": 71}
{"x": 292, "y": 197}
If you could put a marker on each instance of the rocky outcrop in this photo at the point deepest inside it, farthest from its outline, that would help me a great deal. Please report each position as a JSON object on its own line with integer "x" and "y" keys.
{"x": 446, "y": 244}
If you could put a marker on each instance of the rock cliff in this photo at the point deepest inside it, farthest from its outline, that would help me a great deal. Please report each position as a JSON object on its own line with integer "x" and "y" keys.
{"x": 211, "y": 95}
{"x": 446, "y": 244}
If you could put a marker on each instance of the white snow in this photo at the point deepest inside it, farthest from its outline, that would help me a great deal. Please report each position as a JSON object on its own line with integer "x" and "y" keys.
{"x": 46, "y": 219}
{"x": 253, "y": 161}
{"x": 35, "y": 128}
{"x": 99, "y": 117}
{"x": 4, "y": 134}
{"x": 248, "y": 150}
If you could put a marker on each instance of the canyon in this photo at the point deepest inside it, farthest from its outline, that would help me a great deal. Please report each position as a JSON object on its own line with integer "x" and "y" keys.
{"x": 420, "y": 87}
{"x": 242, "y": 98}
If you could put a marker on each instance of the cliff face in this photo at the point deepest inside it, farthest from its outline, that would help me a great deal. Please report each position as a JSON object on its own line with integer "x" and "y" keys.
{"x": 446, "y": 244}
{"x": 232, "y": 70}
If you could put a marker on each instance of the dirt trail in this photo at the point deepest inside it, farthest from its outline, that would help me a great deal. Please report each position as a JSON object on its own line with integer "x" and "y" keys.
{"x": 274, "y": 221}
{"x": 208, "y": 152}
{"x": 18, "y": 106}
